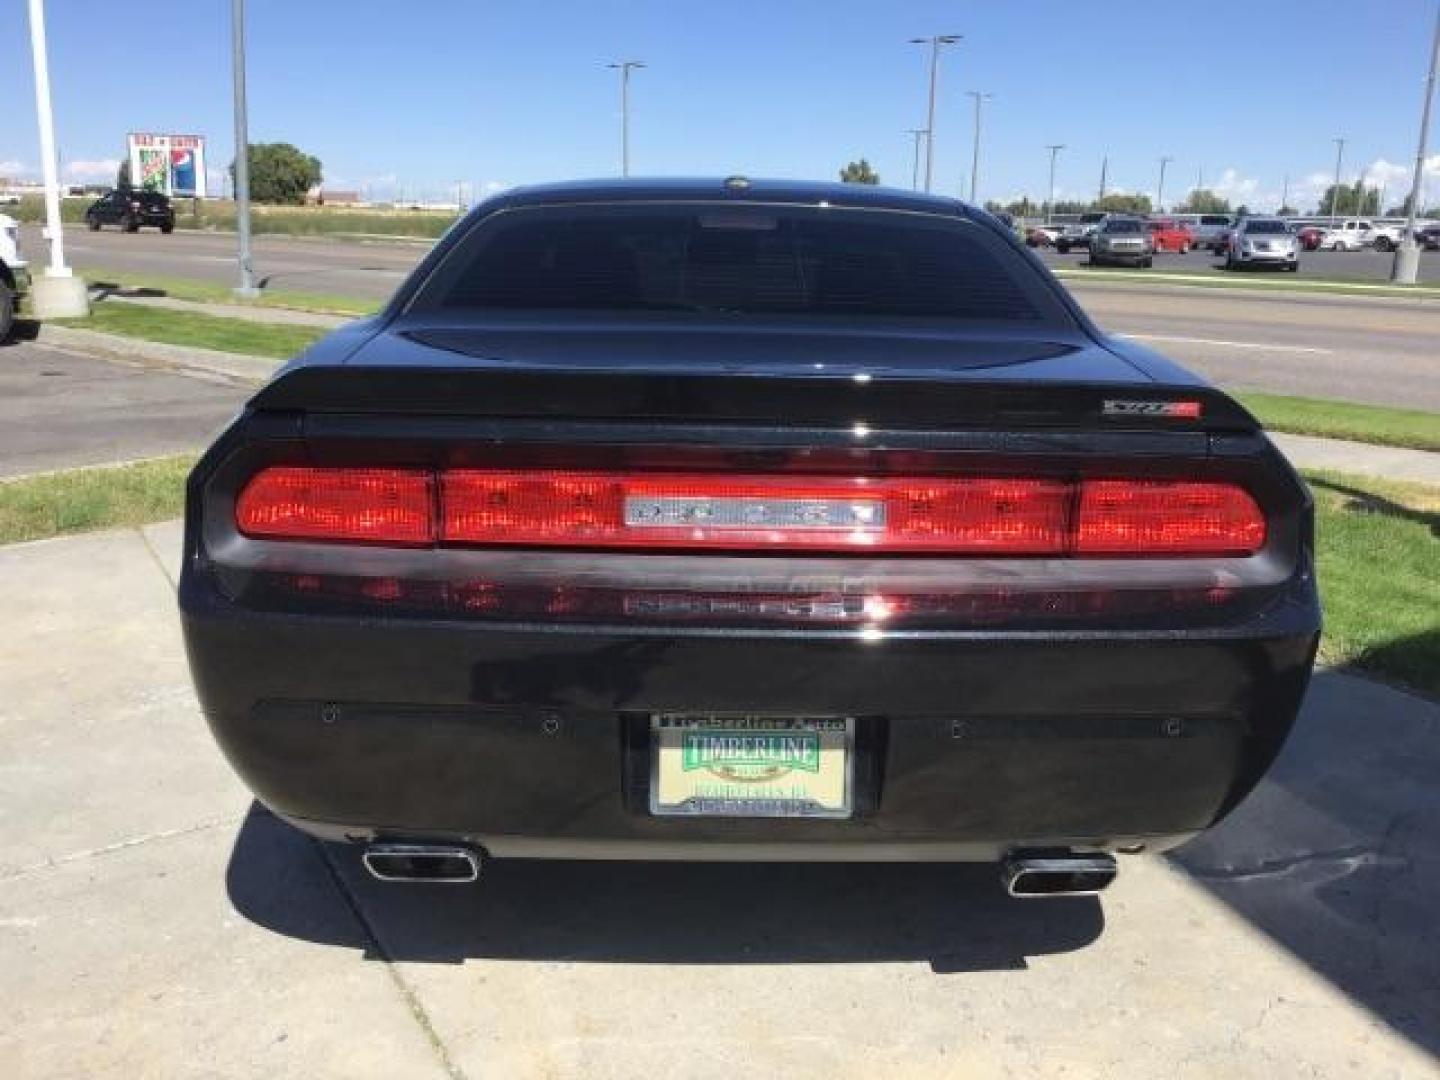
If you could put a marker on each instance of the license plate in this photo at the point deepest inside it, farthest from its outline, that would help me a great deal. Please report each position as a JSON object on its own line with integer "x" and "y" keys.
{"x": 751, "y": 766}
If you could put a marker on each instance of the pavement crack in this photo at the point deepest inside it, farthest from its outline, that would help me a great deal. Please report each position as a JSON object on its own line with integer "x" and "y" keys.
{"x": 406, "y": 991}
{"x": 155, "y": 555}
{"x": 120, "y": 845}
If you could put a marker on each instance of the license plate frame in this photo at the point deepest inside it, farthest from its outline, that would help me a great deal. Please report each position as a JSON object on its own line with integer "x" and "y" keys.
{"x": 747, "y": 787}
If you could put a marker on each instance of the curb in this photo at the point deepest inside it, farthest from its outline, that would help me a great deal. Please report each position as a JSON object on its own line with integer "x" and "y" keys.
{"x": 233, "y": 368}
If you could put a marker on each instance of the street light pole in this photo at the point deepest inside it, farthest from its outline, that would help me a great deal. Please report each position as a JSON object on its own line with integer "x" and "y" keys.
{"x": 1407, "y": 255}
{"x": 625, "y": 67}
{"x": 975, "y": 151}
{"x": 934, "y": 43}
{"x": 58, "y": 294}
{"x": 1160, "y": 188}
{"x": 246, "y": 288}
{"x": 1335, "y": 191}
{"x": 915, "y": 134}
{"x": 1054, "y": 149}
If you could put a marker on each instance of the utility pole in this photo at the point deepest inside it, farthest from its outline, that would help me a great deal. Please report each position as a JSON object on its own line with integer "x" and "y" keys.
{"x": 58, "y": 293}
{"x": 1407, "y": 255}
{"x": 1104, "y": 169}
{"x": 1160, "y": 188}
{"x": 915, "y": 134}
{"x": 625, "y": 67}
{"x": 1335, "y": 191}
{"x": 975, "y": 152}
{"x": 246, "y": 288}
{"x": 1054, "y": 149}
{"x": 1285, "y": 192}
{"x": 934, "y": 43}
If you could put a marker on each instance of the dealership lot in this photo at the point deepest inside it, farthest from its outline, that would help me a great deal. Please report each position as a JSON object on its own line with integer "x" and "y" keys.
{"x": 154, "y": 922}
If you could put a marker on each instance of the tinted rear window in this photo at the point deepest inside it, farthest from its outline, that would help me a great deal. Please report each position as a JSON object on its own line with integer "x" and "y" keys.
{"x": 738, "y": 259}
{"x": 1266, "y": 227}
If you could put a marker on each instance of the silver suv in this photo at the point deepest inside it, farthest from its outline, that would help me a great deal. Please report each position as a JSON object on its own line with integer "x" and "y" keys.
{"x": 1122, "y": 240}
{"x": 1257, "y": 241}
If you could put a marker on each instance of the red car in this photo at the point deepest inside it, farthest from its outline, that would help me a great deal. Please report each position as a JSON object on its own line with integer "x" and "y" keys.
{"x": 1170, "y": 235}
{"x": 1310, "y": 237}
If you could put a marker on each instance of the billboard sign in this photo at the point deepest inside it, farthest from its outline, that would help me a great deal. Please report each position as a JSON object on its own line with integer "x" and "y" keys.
{"x": 171, "y": 164}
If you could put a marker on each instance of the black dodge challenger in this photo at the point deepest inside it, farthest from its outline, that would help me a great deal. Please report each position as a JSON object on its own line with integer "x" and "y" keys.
{"x": 720, "y": 519}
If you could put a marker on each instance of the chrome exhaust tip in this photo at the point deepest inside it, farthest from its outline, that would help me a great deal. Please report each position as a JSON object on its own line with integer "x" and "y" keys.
{"x": 421, "y": 863}
{"x": 1040, "y": 876}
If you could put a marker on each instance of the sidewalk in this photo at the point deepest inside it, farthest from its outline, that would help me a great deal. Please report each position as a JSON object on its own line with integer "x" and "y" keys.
{"x": 1361, "y": 459}
{"x": 253, "y": 312}
{"x": 155, "y": 922}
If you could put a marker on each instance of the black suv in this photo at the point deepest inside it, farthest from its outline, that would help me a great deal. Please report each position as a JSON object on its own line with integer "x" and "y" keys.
{"x": 131, "y": 210}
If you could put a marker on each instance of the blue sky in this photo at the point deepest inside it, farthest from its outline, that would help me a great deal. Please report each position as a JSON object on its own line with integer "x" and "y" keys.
{"x": 425, "y": 94}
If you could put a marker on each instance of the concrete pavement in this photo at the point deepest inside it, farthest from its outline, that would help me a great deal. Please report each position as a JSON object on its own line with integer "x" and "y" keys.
{"x": 154, "y": 923}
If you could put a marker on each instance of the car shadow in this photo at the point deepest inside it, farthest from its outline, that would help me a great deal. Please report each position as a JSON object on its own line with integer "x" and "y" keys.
{"x": 954, "y": 917}
{"x": 1336, "y": 856}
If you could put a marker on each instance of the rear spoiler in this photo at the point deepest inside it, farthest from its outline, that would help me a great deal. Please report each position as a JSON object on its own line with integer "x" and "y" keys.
{"x": 879, "y": 403}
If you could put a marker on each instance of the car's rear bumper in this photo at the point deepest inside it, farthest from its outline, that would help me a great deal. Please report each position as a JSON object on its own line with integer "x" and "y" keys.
{"x": 533, "y": 740}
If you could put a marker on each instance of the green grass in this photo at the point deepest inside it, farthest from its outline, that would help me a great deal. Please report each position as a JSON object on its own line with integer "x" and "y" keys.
{"x": 79, "y": 500}
{"x": 219, "y": 216}
{"x": 244, "y": 336}
{"x": 1378, "y": 549}
{"x": 1256, "y": 281}
{"x": 1345, "y": 420}
{"x": 209, "y": 292}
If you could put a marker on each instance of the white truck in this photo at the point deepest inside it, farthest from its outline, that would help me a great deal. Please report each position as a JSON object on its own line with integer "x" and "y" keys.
{"x": 14, "y": 274}
{"x": 1353, "y": 234}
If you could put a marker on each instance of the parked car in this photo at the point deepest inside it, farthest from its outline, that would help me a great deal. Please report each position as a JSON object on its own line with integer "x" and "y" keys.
{"x": 1122, "y": 240}
{"x": 1209, "y": 234}
{"x": 1077, "y": 233}
{"x": 1310, "y": 237}
{"x": 1167, "y": 234}
{"x": 1043, "y": 235}
{"x": 1257, "y": 241}
{"x": 132, "y": 210}
{"x": 14, "y": 273}
{"x": 579, "y": 550}
{"x": 1428, "y": 237}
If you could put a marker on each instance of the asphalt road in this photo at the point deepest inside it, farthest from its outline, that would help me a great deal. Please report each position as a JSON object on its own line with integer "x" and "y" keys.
{"x": 1363, "y": 349}
{"x": 60, "y": 409}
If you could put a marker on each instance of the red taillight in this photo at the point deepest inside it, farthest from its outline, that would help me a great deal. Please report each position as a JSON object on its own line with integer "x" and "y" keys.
{"x": 376, "y": 506}
{"x": 590, "y": 509}
{"x": 667, "y": 511}
{"x": 1167, "y": 517}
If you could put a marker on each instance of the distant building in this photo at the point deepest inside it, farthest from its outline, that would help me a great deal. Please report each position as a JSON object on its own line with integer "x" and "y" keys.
{"x": 319, "y": 196}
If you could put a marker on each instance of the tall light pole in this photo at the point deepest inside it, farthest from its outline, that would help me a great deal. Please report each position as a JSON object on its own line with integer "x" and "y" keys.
{"x": 1160, "y": 187}
{"x": 1335, "y": 191}
{"x": 980, "y": 99}
{"x": 1407, "y": 255}
{"x": 1104, "y": 173}
{"x": 1054, "y": 149}
{"x": 58, "y": 294}
{"x": 934, "y": 43}
{"x": 915, "y": 134}
{"x": 1285, "y": 194}
{"x": 625, "y": 67}
{"x": 246, "y": 288}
